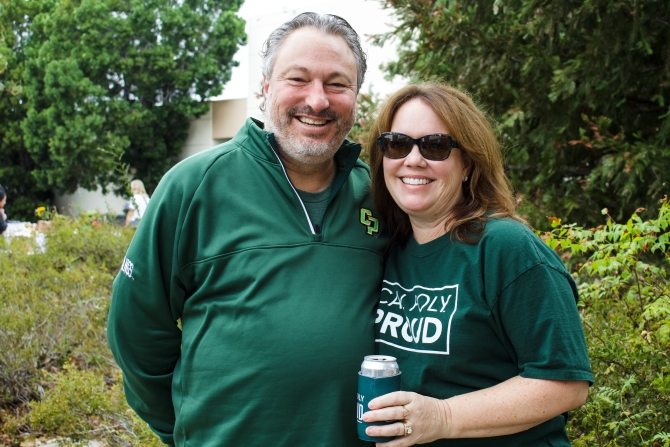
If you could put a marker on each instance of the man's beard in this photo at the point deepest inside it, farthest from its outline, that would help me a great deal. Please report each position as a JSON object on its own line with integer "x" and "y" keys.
{"x": 303, "y": 149}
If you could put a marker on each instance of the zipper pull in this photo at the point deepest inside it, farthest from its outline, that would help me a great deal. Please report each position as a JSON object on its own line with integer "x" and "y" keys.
{"x": 317, "y": 229}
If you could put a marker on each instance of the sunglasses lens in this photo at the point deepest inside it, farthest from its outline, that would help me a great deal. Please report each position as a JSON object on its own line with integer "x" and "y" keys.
{"x": 433, "y": 147}
{"x": 436, "y": 147}
{"x": 395, "y": 145}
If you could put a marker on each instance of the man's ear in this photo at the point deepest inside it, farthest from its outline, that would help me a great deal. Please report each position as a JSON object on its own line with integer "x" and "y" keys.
{"x": 266, "y": 86}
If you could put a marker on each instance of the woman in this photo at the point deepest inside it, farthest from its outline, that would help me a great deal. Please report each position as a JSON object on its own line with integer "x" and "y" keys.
{"x": 479, "y": 312}
{"x": 138, "y": 204}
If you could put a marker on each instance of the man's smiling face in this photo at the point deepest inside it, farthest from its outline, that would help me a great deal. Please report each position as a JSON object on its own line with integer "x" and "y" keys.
{"x": 311, "y": 95}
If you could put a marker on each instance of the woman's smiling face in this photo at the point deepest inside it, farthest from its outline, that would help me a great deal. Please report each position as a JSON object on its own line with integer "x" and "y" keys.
{"x": 426, "y": 190}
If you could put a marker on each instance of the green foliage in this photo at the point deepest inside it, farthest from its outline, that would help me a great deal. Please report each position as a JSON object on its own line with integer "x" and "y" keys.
{"x": 53, "y": 349}
{"x": 366, "y": 109}
{"x": 623, "y": 284}
{"x": 16, "y": 165}
{"x": 580, "y": 90}
{"x": 90, "y": 77}
{"x": 81, "y": 405}
{"x": 54, "y": 304}
{"x": 76, "y": 397}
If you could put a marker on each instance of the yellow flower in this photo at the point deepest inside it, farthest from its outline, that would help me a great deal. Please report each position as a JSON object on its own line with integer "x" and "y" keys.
{"x": 39, "y": 211}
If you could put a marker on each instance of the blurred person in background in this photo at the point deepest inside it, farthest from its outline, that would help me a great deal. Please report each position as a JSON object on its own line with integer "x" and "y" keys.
{"x": 3, "y": 215}
{"x": 138, "y": 204}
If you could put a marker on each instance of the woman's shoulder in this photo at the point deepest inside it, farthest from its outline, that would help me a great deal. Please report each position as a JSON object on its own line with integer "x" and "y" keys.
{"x": 507, "y": 229}
{"x": 512, "y": 238}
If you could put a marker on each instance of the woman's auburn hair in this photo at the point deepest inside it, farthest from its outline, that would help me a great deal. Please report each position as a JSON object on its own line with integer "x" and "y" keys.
{"x": 488, "y": 191}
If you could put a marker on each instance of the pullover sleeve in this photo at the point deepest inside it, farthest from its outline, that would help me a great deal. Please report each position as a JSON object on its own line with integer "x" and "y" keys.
{"x": 148, "y": 298}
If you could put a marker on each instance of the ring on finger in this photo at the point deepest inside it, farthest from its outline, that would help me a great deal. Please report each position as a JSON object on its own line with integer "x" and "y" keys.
{"x": 408, "y": 428}
{"x": 405, "y": 412}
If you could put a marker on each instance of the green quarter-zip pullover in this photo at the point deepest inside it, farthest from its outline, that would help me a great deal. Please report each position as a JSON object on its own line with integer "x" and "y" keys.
{"x": 277, "y": 312}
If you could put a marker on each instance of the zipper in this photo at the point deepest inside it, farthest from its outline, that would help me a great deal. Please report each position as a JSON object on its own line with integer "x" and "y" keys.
{"x": 312, "y": 228}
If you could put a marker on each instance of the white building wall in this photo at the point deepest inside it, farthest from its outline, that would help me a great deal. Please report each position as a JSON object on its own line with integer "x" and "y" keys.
{"x": 199, "y": 136}
{"x": 83, "y": 200}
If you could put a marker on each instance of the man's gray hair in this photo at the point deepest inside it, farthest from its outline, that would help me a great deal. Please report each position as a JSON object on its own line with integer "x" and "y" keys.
{"x": 327, "y": 24}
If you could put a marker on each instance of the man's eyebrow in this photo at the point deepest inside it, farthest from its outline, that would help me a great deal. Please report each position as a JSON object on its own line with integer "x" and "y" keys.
{"x": 302, "y": 69}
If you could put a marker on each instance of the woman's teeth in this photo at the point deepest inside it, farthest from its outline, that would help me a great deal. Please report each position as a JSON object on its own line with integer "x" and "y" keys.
{"x": 415, "y": 181}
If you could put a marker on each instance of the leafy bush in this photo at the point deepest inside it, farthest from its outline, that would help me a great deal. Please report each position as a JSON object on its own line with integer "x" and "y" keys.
{"x": 55, "y": 303}
{"x": 53, "y": 350}
{"x": 579, "y": 88}
{"x": 81, "y": 405}
{"x": 367, "y": 105}
{"x": 622, "y": 271}
{"x": 58, "y": 378}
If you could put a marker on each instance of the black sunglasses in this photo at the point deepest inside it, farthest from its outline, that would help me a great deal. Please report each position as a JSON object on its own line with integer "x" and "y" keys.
{"x": 434, "y": 147}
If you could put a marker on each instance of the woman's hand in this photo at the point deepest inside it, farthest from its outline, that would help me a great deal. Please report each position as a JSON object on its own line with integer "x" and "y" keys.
{"x": 514, "y": 405}
{"x": 427, "y": 417}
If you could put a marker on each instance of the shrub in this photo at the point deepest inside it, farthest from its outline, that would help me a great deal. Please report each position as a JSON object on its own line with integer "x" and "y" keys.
{"x": 365, "y": 115}
{"x": 53, "y": 351}
{"x": 81, "y": 405}
{"x": 54, "y": 304}
{"x": 622, "y": 270}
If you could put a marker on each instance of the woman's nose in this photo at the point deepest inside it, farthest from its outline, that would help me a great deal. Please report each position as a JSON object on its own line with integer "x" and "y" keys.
{"x": 414, "y": 158}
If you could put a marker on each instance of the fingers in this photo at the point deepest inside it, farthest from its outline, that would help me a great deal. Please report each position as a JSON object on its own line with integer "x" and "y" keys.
{"x": 388, "y": 430}
{"x": 397, "y": 398}
{"x": 386, "y": 414}
{"x": 397, "y": 429}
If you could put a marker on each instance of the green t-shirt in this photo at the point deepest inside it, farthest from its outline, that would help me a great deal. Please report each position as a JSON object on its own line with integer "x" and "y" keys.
{"x": 315, "y": 203}
{"x": 460, "y": 318}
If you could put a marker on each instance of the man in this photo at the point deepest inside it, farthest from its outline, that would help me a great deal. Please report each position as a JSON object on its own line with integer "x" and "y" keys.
{"x": 266, "y": 249}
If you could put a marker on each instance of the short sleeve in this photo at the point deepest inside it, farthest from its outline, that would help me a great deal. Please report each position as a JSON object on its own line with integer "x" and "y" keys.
{"x": 538, "y": 313}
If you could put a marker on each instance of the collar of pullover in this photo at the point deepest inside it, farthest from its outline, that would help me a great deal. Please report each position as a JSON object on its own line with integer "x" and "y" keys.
{"x": 263, "y": 146}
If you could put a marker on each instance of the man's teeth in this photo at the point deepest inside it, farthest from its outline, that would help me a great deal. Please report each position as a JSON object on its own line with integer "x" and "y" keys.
{"x": 416, "y": 181}
{"x": 302, "y": 119}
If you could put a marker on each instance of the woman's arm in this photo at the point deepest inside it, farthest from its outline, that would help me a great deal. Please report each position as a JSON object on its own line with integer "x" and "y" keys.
{"x": 509, "y": 407}
{"x": 129, "y": 216}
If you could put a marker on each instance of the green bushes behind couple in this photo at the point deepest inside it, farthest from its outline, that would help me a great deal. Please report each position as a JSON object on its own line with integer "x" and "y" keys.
{"x": 54, "y": 306}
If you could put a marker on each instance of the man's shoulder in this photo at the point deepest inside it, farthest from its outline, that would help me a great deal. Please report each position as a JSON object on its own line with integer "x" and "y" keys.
{"x": 197, "y": 165}
{"x": 362, "y": 167}
{"x": 250, "y": 139}
{"x": 184, "y": 178}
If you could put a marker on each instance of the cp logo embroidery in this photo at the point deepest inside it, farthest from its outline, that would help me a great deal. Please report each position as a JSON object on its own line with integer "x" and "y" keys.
{"x": 371, "y": 222}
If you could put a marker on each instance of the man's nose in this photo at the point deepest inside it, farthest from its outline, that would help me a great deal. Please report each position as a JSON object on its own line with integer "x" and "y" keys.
{"x": 317, "y": 98}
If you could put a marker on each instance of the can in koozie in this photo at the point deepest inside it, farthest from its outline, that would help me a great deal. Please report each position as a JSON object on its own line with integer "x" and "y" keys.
{"x": 379, "y": 375}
